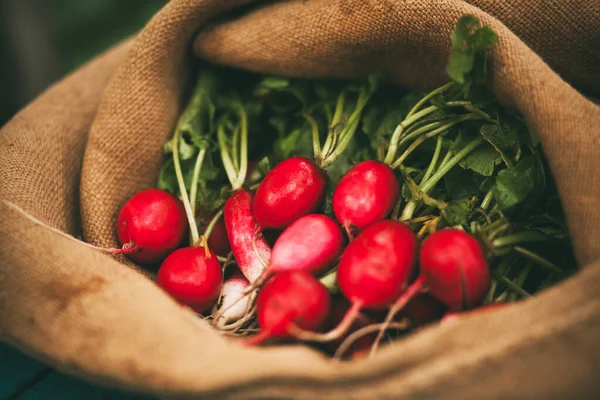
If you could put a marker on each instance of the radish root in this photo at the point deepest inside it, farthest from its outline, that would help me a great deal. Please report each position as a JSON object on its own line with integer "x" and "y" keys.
{"x": 354, "y": 336}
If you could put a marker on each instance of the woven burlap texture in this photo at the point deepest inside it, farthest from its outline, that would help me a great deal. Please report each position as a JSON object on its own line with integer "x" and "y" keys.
{"x": 87, "y": 314}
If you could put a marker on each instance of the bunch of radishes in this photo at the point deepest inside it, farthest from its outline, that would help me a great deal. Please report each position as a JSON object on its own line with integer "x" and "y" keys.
{"x": 382, "y": 213}
{"x": 377, "y": 266}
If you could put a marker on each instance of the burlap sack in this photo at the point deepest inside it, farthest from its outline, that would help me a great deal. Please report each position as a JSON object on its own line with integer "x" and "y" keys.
{"x": 88, "y": 315}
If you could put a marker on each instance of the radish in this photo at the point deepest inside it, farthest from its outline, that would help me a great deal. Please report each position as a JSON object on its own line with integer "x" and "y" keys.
{"x": 290, "y": 298}
{"x": 233, "y": 291}
{"x": 453, "y": 315}
{"x": 373, "y": 272}
{"x": 249, "y": 248}
{"x": 297, "y": 185}
{"x": 453, "y": 269}
{"x": 366, "y": 194}
{"x": 192, "y": 276}
{"x": 312, "y": 244}
{"x": 293, "y": 188}
{"x": 155, "y": 222}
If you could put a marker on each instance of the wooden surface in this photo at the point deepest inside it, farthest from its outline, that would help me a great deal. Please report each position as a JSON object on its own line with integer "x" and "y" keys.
{"x": 23, "y": 378}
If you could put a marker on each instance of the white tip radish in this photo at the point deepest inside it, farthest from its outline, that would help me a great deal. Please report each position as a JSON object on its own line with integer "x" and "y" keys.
{"x": 234, "y": 304}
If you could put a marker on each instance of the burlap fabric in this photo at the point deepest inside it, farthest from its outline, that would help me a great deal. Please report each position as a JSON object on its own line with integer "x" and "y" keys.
{"x": 87, "y": 314}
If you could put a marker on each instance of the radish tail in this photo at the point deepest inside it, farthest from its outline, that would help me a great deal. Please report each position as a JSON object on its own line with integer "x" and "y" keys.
{"x": 365, "y": 331}
{"x": 262, "y": 278}
{"x": 350, "y": 317}
{"x": 414, "y": 289}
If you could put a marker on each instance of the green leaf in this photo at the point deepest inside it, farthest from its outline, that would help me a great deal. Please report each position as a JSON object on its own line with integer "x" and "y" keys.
{"x": 462, "y": 31}
{"x": 482, "y": 160}
{"x": 487, "y": 184}
{"x": 168, "y": 147}
{"x": 297, "y": 143}
{"x": 379, "y": 122}
{"x": 283, "y": 95}
{"x": 167, "y": 179}
{"x": 264, "y": 166}
{"x": 210, "y": 171}
{"x": 461, "y": 183}
{"x": 197, "y": 120}
{"x": 504, "y": 139}
{"x": 280, "y": 124}
{"x": 468, "y": 60}
{"x": 460, "y": 64}
{"x": 525, "y": 181}
{"x": 482, "y": 39}
{"x": 274, "y": 83}
{"x": 186, "y": 150}
{"x": 457, "y": 212}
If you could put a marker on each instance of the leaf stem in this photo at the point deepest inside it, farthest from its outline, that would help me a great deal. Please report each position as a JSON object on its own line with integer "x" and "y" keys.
{"x": 434, "y": 159}
{"x": 182, "y": 189}
{"x": 212, "y": 224}
{"x": 395, "y": 140}
{"x": 195, "y": 179}
{"x": 428, "y": 97}
{"x": 510, "y": 284}
{"x": 428, "y": 135}
{"x": 337, "y": 116}
{"x": 225, "y": 156}
{"x": 235, "y": 144}
{"x": 315, "y": 136}
{"x": 439, "y": 174}
{"x": 522, "y": 237}
{"x": 347, "y": 132}
{"x": 419, "y": 131}
{"x": 243, "y": 149}
{"x": 446, "y": 158}
{"x": 503, "y": 269}
{"x": 520, "y": 280}
{"x": 539, "y": 260}
{"x": 487, "y": 200}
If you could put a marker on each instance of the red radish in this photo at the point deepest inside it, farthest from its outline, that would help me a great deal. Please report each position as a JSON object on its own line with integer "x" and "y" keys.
{"x": 453, "y": 315}
{"x": 312, "y": 243}
{"x": 366, "y": 194}
{"x": 290, "y": 298}
{"x": 233, "y": 291}
{"x": 192, "y": 276}
{"x": 155, "y": 221}
{"x": 293, "y": 188}
{"x": 453, "y": 269}
{"x": 373, "y": 272}
{"x": 249, "y": 248}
